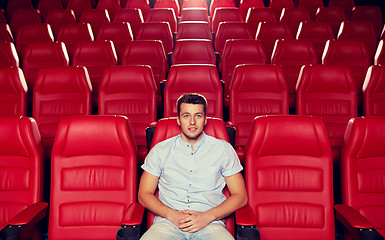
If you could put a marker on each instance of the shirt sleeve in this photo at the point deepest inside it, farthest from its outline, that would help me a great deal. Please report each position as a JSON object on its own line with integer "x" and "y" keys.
{"x": 152, "y": 163}
{"x": 232, "y": 165}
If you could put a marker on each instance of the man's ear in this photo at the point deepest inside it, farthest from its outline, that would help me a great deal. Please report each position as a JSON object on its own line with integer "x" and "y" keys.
{"x": 205, "y": 120}
{"x": 178, "y": 120}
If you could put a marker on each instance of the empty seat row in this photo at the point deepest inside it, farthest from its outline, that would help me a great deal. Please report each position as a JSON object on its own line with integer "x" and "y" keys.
{"x": 96, "y": 156}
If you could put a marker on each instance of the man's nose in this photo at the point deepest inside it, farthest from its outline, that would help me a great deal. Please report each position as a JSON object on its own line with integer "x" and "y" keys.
{"x": 192, "y": 120}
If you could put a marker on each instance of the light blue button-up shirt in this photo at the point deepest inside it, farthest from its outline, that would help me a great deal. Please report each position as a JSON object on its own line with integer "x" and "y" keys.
{"x": 192, "y": 179}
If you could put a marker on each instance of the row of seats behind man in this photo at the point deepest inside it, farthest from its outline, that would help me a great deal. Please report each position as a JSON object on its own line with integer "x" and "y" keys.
{"x": 255, "y": 90}
{"x": 102, "y": 146}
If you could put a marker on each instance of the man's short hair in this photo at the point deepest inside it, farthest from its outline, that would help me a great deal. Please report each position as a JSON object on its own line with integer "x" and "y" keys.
{"x": 192, "y": 98}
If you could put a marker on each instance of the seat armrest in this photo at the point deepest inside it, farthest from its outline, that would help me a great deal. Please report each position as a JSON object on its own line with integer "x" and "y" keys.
{"x": 130, "y": 225}
{"x": 231, "y": 131}
{"x": 356, "y": 224}
{"x": 246, "y": 224}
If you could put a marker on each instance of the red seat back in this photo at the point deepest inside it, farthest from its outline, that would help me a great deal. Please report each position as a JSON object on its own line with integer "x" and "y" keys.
{"x": 219, "y": 3}
{"x": 193, "y": 51}
{"x": 24, "y": 16}
{"x": 257, "y": 15}
{"x": 133, "y": 16}
{"x": 57, "y": 17}
{"x": 255, "y": 90}
{"x": 157, "y": 31}
{"x": 8, "y": 55}
{"x": 78, "y": 6}
{"x": 371, "y": 14}
{"x": 311, "y": 6}
{"x": 289, "y": 178}
{"x": 21, "y": 166}
{"x": 328, "y": 92}
{"x": 45, "y": 6}
{"x": 294, "y": 16}
{"x": 93, "y": 178}
{"x": 346, "y": 5}
{"x": 194, "y": 13}
{"x": 130, "y": 91}
{"x": 225, "y": 14}
{"x": 164, "y": 4}
{"x": 194, "y": 30}
{"x": 362, "y": 163}
{"x": 163, "y": 15}
{"x": 198, "y": 78}
{"x": 95, "y": 17}
{"x": 374, "y": 92}
{"x": 5, "y": 33}
{"x": 230, "y": 30}
{"x": 13, "y": 95}
{"x": 333, "y": 15}
{"x": 143, "y": 5}
{"x": 244, "y": 6}
{"x": 279, "y": 5}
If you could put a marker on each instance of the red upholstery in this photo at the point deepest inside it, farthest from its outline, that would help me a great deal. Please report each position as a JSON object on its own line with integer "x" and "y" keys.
{"x": 351, "y": 53}
{"x": 157, "y": 31}
{"x": 17, "y": 4}
{"x": 5, "y": 33}
{"x": 21, "y": 169}
{"x": 360, "y": 30}
{"x": 279, "y": 5}
{"x": 318, "y": 33}
{"x": 143, "y": 5}
{"x": 130, "y": 91}
{"x": 163, "y": 15}
{"x": 73, "y": 33}
{"x": 31, "y": 33}
{"x": 3, "y": 19}
{"x": 8, "y": 55}
{"x": 333, "y": 15}
{"x": 289, "y": 179}
{"x": 24, "y": 16}
{"x": 371, "y": 14}
{"x": 219, "y": 4}
{"x": 312, "y": 6}
{"x": 118, "y": 33}
{"x": 255, "y": 90}
{"x": 13, "y": 95}
{"x": 94, "y": 177}
{"x": 194, "y": 30}
{"x": 292, "y": 55}
{"x": 58, "y": 93}
{"x": 108, "y": 4}
{"x": 42, "y": 55}
{"x": 147, "y": 52}
{"x": 168, "y": 127}
{"x": 95, "y": 17}
{"x": 244, "y": 6}
{"x": 225, "y": 14}
{"x": 239, "y": 51}
{"x": 132, "y": 16}
{"x": 95, "y": 56}
{"x": 269, "y": 32}
{"x": 293, "y": 17}
{"x": 346, "y": 5}
{"x": 193, "y": 51}
{"x": 361, "y": 164}
{"x": 328, "y": 92}
{"x": 230, "y": 30}
{"x": 188, "y": 4}
{"x": 257, "y": 15}
{"x": 374, "y": 92}
{"x": 194, "y": 14}
{"x": 198, "y": 78}
{"x": 57, "y": 17}
{"x": 45, "y": 6}
{"x": 78, "y": 6}
{"x": 164, "y": 4}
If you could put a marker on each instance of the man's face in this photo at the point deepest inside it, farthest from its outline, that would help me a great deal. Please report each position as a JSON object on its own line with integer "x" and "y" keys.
{"x": 192, "y": 121}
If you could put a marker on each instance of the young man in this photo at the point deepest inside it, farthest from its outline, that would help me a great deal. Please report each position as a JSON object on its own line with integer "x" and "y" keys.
{"x": 191, "y": 171}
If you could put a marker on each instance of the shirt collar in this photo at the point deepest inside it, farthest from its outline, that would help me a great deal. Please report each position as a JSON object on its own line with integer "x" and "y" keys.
{"x": 196, "y": 146}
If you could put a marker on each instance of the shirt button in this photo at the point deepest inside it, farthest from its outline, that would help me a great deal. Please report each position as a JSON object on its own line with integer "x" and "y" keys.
{"x": 188, "y": 206}
{"x": 190, "y": 170}
{"x": 190, "y": 184}
{"x": 192, "y": 153}
{"x": 188, "y": 145}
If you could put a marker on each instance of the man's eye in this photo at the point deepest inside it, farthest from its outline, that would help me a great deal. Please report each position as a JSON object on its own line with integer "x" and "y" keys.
{"x": 199, "y": 116}
{"x": 185, "y": 116}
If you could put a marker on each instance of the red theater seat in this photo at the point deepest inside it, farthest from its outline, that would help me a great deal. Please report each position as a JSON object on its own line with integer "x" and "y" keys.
{"x": 225, "y": 14}
{"x": 78, "y": 6}
{"x": 293, "y": 17}
{"x": 193, "y": 51}
{"x": 24, "y": 16}
{"x": 42, "y": 55}
{"x": 346, "y": 5}
{"x": 279, "y": 5}
{"x": 333, "y": 15}
{"x": 45, "y": 6}
{"x": 164, "y": 15}
{"x": 148, "y": 52}
{"x": 13, "y": 96}
{"x": 194, "y": 30}
{"x": 112, "y": 6}
{"x": 143, "y": 5}
{"x": 59, "y": 92}
{"x": 255, "y": 90}
{"x": 198, "y": 78}
{"x": 311, "y": 6}
{"x": 95, "y": 17}
{"x": 371, "y": 14}
{"x": 292, "y": 55}
{"x": 12, "y": 5}
{"x": 194, "y": 14}
{"x": 244, "y": 6}
{"x": 219, "y": 4}
{"x": 328, "y": 92}
{"x": 168, "y": 127}
{"x": 157, "y": 31}
{"x": 317, "y": 32}
{"x": 21, "y": 167}
{"x": 95, "y": 56}
{"x": 133, "y": 16}
{"x": 164, "y": 4}
{"x": 94, "y": 179}
{"x": 8, "y": 55}
{"x": 130, "y": 91}
{"x": 257, "y": 15}
{"x": 239, "y": 51}
{"x": 57, "y": 17}
{"x": 374, "y": 92}
{"x": 190, "y": 4}
{"x": 269, "y": 32}
{"x": 362, "y": 195}
{"x": 289, "y": 180}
